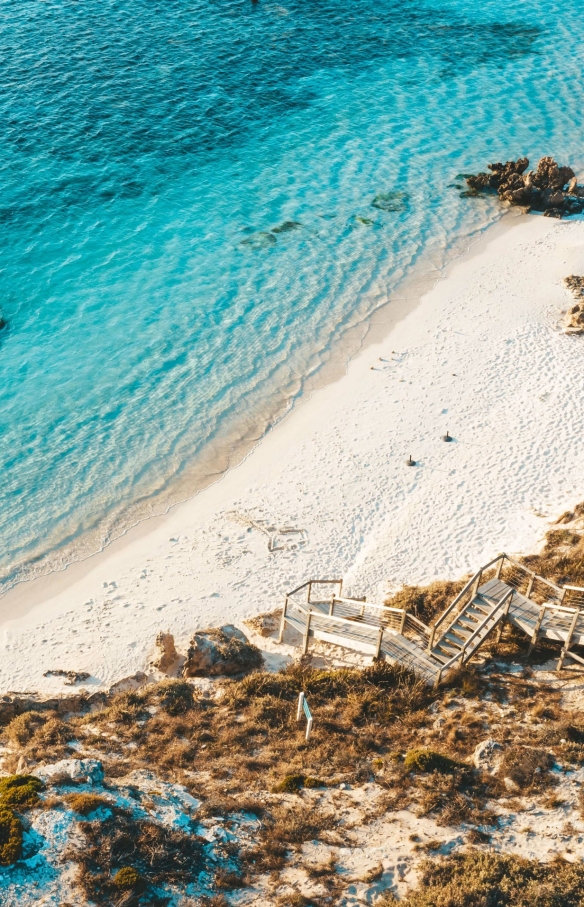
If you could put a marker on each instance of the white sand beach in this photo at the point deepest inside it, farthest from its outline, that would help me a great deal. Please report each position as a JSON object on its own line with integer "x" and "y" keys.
{"x": 328, "y": 493}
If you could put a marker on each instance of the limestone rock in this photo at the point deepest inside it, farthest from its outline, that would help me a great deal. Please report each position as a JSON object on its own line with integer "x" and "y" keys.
{"x": 550, "y": 188}
{"x": 221, "y": 650}
{"x": 265, "y": 624}
{"x": 168, "y": 655}
{"x": 89, "y": 771}
{"x": 128, "y": 683}
{"x": 574, "y": 320}
{"x": 487, "y": 755}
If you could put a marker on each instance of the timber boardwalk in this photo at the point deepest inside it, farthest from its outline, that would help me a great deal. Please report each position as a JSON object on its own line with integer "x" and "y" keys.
{"x": 502, "y": 590}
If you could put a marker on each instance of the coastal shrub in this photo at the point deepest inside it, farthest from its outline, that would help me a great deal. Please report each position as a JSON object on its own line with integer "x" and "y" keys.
{"x": 175, "y": 696}
{"x": 426, "y": 602}
{"x": 526, "y": 766}
{"x": 86, "y": 803}
{"x": 157, "y": 854}
{"x": 562, "y": 556}
{"x": 128, "y": 879}
{"x": 477, "y": 879}
{"x": 19, "y": 791}
{"x": 292, "y": 783}
{"x": 422, "y": 760}
{"x": 10, "y": 837}
{"x": 22, "y": 728}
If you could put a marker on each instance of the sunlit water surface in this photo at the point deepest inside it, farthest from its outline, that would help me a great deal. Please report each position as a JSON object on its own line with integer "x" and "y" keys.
{"x": 200, "y": 200}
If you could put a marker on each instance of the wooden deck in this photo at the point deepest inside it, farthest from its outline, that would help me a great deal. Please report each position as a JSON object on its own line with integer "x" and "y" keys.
{"x": 542, "y": 610}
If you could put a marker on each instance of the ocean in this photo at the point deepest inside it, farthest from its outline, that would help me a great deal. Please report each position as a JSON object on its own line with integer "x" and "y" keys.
{"x": 201, "y": 206}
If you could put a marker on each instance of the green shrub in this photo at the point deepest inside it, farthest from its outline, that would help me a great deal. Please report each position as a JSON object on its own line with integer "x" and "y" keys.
{"x": 10, "y": 837}
{"x": 84, "y": 804}
{"x": 478, "y": 879}
{"x": 175, "y": 696}
{"x": 19, "y": 791}
{"x": 22, "y": 728}
{"x": 290, "y": 784}
{"x": 313, "y": 782}
{"x": 128, "y": 879}
{"x": 420, "y": 760}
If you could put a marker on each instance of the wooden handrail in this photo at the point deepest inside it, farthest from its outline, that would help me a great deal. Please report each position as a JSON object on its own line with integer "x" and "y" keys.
{"x": 482, "y": 624}
{"x": 334, "y": 619}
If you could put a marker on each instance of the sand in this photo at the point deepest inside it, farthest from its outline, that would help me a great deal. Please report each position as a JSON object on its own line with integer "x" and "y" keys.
{"x": 328, "y": 493}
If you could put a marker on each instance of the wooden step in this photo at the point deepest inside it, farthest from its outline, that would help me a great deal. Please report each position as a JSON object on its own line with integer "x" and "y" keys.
{"x": 453, "y": 640}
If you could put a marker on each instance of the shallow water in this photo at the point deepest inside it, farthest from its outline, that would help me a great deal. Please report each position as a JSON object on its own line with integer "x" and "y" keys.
{"x": 200, "y": 200}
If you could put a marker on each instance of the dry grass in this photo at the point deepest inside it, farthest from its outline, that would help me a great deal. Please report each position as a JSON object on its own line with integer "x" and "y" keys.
{"x": 426, "y": 602}
{"x": 154, "y": 854}
{"x": 491, "y": 880}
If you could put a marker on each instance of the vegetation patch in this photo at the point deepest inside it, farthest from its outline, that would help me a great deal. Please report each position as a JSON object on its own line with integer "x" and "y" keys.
{"x": 420, "y": 760}
{"x": 426, "y": 602}
{"x": 19, "y": 791}
{"x": 121, "y": 852}
{"x": 85, "y": 803}
{"x": 292, "y": 783}
{"x": 527, "y": 767}
{"x": 478, "y": 879}
{"x": 10, "y": 837}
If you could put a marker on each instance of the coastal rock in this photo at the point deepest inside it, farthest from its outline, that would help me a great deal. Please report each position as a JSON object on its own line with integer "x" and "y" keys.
{"x": 88, "y": 771}
{"x": 168, "y": 655}
{"x": 265, "y": 624}
{"x": 575, "y": 285}
{"x": 72, "y": 677}
{"x": 487, "y": 755}
{"x": 221, "y": 650}
{"x": 128, "y": 683}
{"x": 550, "y": 188}
{"x": 574, "y": 321}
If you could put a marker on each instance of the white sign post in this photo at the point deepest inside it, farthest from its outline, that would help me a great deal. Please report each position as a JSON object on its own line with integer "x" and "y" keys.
{"x": 303, "y": 708}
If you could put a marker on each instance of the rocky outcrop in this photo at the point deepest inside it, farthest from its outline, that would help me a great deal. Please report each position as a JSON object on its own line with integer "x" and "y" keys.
{"x": 221, "y": 650}
{"x": 487, "y": 756}
{"x": 550, "y": 188}
{"x": 168, "y": 657}
{"x": 88, "y": 771}
{"x": 574, "y": 320}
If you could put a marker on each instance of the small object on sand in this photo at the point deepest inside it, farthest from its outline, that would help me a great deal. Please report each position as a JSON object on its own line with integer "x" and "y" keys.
{"x": 410, "y": 462}
{"x": 447, "y": 437}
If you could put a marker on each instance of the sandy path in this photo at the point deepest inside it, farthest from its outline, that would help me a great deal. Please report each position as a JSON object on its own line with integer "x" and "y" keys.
{"x": 327, "y": 492}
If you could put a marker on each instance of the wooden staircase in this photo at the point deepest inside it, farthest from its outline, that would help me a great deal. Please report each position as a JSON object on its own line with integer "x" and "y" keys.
{"x": 502, "y": 590}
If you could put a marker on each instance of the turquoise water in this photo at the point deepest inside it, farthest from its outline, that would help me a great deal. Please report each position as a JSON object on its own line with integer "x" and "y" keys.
{"x": 187, "y": 226}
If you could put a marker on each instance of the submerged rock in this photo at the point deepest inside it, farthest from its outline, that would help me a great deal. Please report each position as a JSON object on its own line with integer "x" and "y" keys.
{"x": 287, "y": 226}
{"x": 221, "y": 650}
{"x": 260, "y": 240}
{"x": 550, "y": 188}
{"x": 391, "y": 201}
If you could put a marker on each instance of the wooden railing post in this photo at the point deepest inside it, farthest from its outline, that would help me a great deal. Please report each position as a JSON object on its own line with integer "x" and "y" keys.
{"x": 332, "y": 606}
{"x": 309, "y": 591}
{"x": 306, "y": 633}
{"x": 536, "y": 629}
{"x": 530, "y": 586}
{"x": 403, "y": 621}
{"x": 431, "y": 640}
{"x": 499, "y": 569}
{"x": 568, "y": 640}
{"x": 477, "y": 583}
{"x": 379, "y": 640}
{"x": 283, "y": 620}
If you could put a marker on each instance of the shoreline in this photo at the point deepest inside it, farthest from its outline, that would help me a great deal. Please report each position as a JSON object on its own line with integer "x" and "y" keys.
{"x": 374, "y": 328}
{"x": 327, "y": 488}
